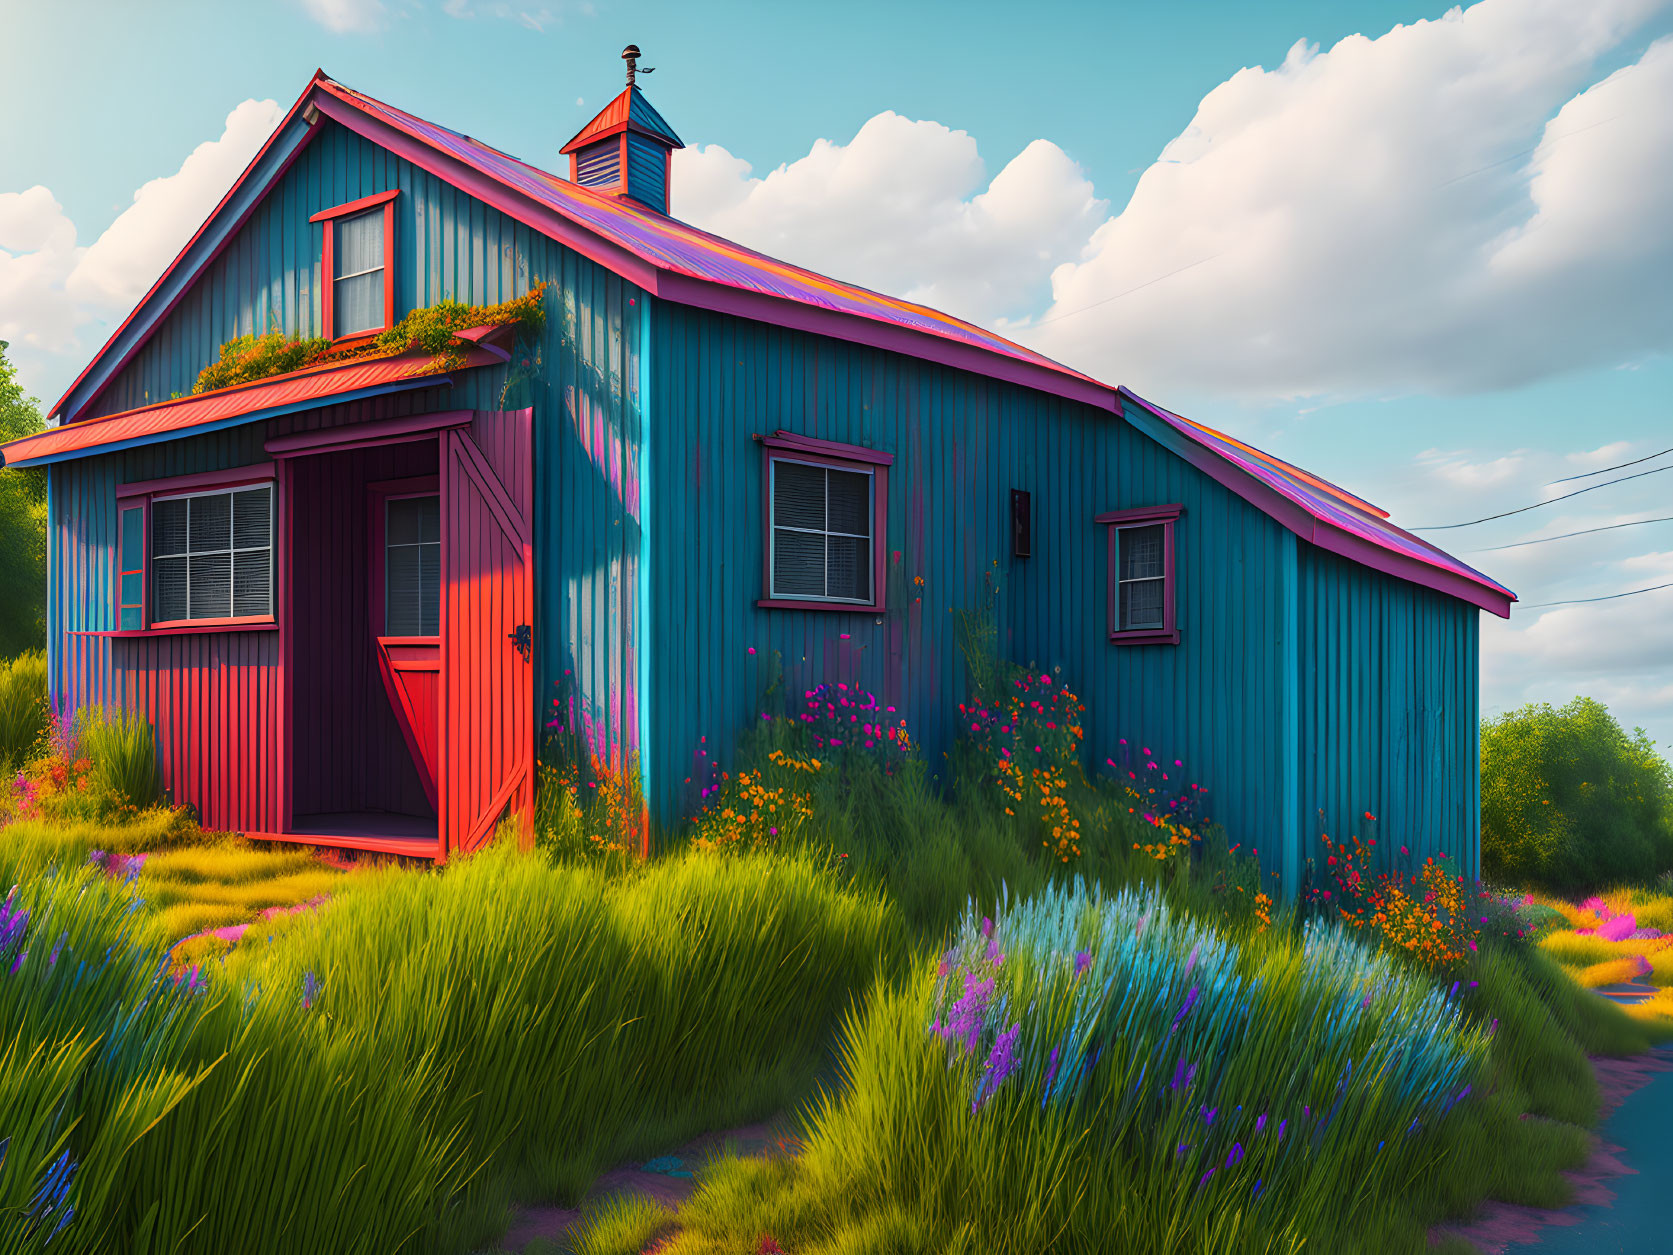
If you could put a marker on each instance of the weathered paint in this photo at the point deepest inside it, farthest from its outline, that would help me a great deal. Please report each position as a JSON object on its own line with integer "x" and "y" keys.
{"x": 1234, "y": 702}
{"x": 1389, "y": 711}
{"x": 581, "y": 380}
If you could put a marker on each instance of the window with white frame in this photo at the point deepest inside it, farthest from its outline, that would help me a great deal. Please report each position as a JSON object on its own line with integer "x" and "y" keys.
{"x": 821, "y": 532}
{"x": 212, "y": 555}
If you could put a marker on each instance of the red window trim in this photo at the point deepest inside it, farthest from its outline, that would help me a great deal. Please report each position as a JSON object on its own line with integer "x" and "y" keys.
{"x": 1144, "y": 516}
{"x": 845, "y": 457}
{"x": 328, "y": 277}
{"x": 141, "y": 493}
{"x": 378, "y": 495}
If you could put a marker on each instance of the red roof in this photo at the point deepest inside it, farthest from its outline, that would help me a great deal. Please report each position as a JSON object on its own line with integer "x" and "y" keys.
{"x": 629, "y": 111}
{"x": 301, "y": 389}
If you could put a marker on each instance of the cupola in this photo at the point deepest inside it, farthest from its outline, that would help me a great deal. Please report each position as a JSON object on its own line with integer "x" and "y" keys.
{"x": 627, "y": 148}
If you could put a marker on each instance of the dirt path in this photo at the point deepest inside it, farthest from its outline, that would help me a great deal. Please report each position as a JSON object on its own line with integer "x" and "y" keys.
{"x": 667, "y": 1179}
{"x": 1632, "y": 1150}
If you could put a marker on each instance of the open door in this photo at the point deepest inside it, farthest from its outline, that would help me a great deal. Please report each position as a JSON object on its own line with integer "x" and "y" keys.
{"x": 487, "y": 672}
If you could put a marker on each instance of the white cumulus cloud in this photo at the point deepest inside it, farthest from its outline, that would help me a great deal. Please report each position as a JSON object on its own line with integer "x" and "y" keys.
{"x": 1460, "y": 204}
{"x": 904, "y": 207}
{"x": 51, "y": 286}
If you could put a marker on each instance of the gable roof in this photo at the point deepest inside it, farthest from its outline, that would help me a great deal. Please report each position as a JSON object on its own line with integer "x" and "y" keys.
{"x": 677, "y": 262}
{"x": 629, "y": 111}
{"x": 1318, "y": 511}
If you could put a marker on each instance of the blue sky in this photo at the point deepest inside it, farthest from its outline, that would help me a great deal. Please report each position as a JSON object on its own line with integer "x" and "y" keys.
{"x": 1421, "y": 252}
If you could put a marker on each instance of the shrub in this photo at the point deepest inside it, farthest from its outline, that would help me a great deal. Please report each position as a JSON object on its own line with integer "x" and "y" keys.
{"x": 24, "y": 713}
{"x": 1570, "y": 802}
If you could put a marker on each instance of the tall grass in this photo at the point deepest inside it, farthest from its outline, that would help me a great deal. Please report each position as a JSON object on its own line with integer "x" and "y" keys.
{"x": 24, "y": 713}
{"x": 389, "y": 1072}
{"x": 123, "y": 751}
{"x": 1099, "y": 1073}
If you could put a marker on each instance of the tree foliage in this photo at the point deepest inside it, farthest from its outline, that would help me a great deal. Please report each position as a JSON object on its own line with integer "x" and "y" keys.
{"x": 1570, "y": 802}
{"x": 22, "y": 526}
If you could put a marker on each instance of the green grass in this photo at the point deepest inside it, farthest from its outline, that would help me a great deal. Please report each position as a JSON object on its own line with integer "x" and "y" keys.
{"x": 24, "y": 714}
{"x": 502, "y": 1029}
{"x": 623, "y": 1224}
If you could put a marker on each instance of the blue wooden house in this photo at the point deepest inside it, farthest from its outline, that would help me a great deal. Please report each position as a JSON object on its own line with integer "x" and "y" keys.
{"x": 345, "y": 595}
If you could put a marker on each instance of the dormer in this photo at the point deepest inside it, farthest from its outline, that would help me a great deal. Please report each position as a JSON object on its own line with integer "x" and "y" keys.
{"x": 627, "y": 148}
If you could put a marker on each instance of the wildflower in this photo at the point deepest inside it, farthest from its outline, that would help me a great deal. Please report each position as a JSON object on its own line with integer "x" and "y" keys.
{"x": 1205, "y": 1177}
{"x": 1083, "y": 960}
{"x": 1183, "y": 1147}
{"x": 1183, "y": 1075}
{"x": 1002, "y": 1061}
{"x": 1208, "y": 1114}
{"x": 310, "y": 989}
{"x": 994, "y": 955}
{"x": 1260, "y": 1122}
{"x": 1236, "y": 1154}
{"x": 987, "y": 926}
{"x": 1282, "y": 1124}
{"x": 1051, "y": 1068}
{"x": 1185, "y": 1009}
{"x": 1191, "y": 960}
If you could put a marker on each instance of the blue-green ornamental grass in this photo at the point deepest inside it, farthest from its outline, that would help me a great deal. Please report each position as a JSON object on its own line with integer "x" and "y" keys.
{"x": 1092, "y": 1072}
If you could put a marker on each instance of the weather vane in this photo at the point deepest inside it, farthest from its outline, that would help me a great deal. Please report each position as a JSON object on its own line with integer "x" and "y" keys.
{"x": 631, "y": 55}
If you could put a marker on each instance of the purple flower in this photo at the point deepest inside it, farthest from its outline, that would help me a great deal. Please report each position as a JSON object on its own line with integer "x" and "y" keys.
{"x": 310, "y": 989}
{"x": 1260, "y": 1122}
{"x": 994, "y": 955}
{"x": 1190, "y": 1001}
{"x": 1183, "y": 1075}
{"x": 1282, "y": 1124}
{"x": 1191, "y": 961}
{"x": 1083, "y": 960}
{"x": 1236, "y": 1154}
{"x": 1002, "y": 1061}
{"x": 987, "y": 926}
{"x": 1208, "y": 1114}
{"x": 1205, "y": 1177}
{"x": 52, "y": 959}
{"x": 1183, "y": 1147}
{"x": 1051, "y": 1068}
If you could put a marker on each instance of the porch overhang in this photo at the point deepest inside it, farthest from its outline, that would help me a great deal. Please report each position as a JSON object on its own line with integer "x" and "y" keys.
{"x": 249, "y": 403}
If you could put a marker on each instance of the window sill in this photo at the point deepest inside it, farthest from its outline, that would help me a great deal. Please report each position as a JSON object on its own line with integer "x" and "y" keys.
{"x": 189, "y": 628}
{"x": 771, "y": 603}
{"x": 1146, "y": 637}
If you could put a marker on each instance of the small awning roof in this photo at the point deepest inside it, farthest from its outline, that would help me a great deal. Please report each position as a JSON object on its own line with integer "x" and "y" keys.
{"x": 247, "y": 403}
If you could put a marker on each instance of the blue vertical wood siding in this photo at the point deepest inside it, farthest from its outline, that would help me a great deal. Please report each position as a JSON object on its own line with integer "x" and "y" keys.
{"x": 647, "y": 171}
{"x": 1389, "y": 711}
{"x": 582, "y": 380}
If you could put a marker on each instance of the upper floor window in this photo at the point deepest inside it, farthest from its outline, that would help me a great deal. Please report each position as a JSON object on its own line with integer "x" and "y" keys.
{"x": 357, "y": 281}
{"x": 1141, "y": 575}
{"x": 825, "y": 511}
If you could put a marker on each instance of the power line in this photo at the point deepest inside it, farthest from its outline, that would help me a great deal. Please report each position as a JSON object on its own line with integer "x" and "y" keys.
{"x": 1585, "y": 531}
{"x": 1602, "y": 470}
{"x": 1442, "y": 527}
{"x": 1526, "y": 152}
{"x": 1581, "y": 601}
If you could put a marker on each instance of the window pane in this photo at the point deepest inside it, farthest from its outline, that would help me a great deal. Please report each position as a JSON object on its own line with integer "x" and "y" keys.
{"x": 252, "y": 518}
{"x": 133, "y": 539}
{"x": 211, "y": 585}
{"x": 168, "y": 526}
{"x": 359, "y": 243}
{"x": 1141, "y": 604}
{"x": 358, "y": 304}
{"x": 403, "y": 592}
{"x": 850, "y": 568}
{"x": 252, "y": 582}
{"x": 798, "y": 495}
{"x": 1141, "y": 552}
{"x": 798, "y": 564}
{"x": 850, "y": 502}
{"x": 409, "y": 520}
{"x": 429, "y": 582}
{"x": 133, "y": 588}
{"x": 130, "y": 621}
{"x": 210, "y": 520}
{"x": 168, "y": 581}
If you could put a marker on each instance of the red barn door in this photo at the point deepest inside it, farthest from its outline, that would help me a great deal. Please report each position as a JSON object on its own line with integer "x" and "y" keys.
{"x": 487, "y": 708}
